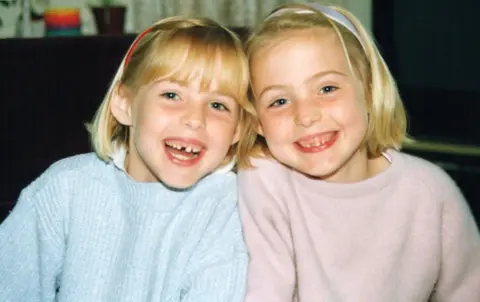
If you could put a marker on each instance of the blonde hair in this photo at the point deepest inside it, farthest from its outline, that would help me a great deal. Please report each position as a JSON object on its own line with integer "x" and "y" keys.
{"x": 387, "y": 122}
{"x": 178, "y": 49}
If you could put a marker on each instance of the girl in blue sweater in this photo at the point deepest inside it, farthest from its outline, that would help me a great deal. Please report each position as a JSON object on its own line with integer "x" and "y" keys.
{"x": 151, "y": 214}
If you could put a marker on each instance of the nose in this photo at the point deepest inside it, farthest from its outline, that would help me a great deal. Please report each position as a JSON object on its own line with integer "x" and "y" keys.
{"x": 194, "y": 117}
{"x": 306, "y": 114}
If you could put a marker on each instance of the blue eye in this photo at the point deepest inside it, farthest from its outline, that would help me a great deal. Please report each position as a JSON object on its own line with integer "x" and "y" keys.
{"x": 279, "y": 102}
{"x": 218, "y": 106}
{"x": 328, "y": 89}
{"x": 170, "y": 95}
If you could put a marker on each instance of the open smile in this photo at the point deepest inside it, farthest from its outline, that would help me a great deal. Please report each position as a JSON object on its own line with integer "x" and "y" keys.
{"x": 184, "y": 151}
{"x": 316, "y": 142}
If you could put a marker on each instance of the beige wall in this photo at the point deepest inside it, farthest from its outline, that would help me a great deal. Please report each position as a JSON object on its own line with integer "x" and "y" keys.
{"x": 362, "y": 9}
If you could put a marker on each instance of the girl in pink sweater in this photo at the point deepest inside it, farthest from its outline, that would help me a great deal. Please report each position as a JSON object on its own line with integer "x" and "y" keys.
{"x": 335, "y": 213}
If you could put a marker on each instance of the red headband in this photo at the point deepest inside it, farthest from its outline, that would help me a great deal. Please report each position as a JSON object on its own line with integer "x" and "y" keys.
{"x": 134, "y": 45}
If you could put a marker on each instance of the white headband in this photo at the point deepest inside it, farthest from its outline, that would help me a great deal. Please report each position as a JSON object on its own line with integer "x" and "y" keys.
{"x": 331, "y": 13}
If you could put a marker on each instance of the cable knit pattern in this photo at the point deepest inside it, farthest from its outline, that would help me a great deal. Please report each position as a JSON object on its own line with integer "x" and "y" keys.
{"x": 85, "y": 231}
{"x": 405, "y": 235}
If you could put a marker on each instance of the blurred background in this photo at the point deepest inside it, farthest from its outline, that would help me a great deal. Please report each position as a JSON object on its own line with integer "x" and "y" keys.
{"x": 57, "y": 58}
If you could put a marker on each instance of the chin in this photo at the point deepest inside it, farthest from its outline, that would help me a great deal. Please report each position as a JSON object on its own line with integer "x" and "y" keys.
{"x": 178, "y": 185}
{"x": 180, "y": 181}
{"x": 320, "y": 173}
{"x": 314, "y": 170}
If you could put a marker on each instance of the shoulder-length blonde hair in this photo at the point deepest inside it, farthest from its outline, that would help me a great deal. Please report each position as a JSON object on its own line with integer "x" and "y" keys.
{"x": 387, "y": 118}
{"x": 178, "y": 49}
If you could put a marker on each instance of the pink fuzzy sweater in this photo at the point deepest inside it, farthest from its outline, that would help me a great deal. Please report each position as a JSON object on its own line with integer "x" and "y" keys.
{"x": 405, "y": 235}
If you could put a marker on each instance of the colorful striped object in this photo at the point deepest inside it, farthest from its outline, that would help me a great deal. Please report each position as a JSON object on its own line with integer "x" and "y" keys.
{"x": 62, "y": 22}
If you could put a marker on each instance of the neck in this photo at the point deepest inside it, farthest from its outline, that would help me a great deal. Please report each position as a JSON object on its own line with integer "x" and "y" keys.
{"x": 136, "y": 169}
{"x": 359, "y": 167}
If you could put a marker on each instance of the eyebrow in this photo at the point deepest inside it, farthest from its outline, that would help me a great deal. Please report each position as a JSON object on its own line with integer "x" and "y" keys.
{"x": 316, "y": 76}
{"x": 213, "y": 93}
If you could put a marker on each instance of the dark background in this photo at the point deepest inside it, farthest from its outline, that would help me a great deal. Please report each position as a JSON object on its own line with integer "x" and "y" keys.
{"x": 433, "y": 50}
{"x": 51, "y": 87}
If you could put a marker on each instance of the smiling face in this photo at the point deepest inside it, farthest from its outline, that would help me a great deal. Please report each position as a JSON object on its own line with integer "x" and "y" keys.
{"x": 311, "y": 107}
{"x": 178, "y": 133}
{"x": 177, "y": 104}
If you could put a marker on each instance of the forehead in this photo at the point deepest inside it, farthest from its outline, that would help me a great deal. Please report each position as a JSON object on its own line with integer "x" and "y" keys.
{"x": 297, "y": 55}
{"x": 200, "y": 73}
{"x": 193, "y": 84}
{"x": 208, "y": 67}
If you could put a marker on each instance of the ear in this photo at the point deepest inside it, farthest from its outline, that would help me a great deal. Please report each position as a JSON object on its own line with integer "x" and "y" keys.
{"x": 120, "y": 105}
{"x": 259, "y": 129}
{"x": 238, "y": 131}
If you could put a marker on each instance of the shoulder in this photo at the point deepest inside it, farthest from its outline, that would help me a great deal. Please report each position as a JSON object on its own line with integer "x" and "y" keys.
{"x": 444, "y": 193}
{"x": 424, "y": 174}
{"x": 87, "y": 165}
{"x": 263, "y": 186}
{"x": 264, "y": 170}
{"x": 77, "y": 163}
{"x": 64, "y": 173}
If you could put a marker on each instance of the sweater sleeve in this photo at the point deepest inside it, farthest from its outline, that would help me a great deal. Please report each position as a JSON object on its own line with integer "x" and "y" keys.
{"x": 460, "y": 264}
{"x": 219, "y": 270}
{"x": 31, "y": 246}
{"x": 271, "y": 274}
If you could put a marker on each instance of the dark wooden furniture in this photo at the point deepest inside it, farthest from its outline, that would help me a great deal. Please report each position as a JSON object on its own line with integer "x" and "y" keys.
{"x": 51, "y": 87}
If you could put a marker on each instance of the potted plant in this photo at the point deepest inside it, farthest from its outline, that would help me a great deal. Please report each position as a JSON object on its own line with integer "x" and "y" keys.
{"x": 109, "y": 16}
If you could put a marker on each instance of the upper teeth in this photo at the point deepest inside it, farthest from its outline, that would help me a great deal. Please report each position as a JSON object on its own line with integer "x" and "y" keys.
{"x": 316, "y": 141}
{"x": 188, "y": 148}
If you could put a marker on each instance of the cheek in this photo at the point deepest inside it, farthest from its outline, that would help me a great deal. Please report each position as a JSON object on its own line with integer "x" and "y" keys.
{"x": 350, "y": 114}
{"x": 151, "y": 120}
{"x": 222, "y": 130}
{"x": 142, "y": 123}
{"x": 277, "y": 127}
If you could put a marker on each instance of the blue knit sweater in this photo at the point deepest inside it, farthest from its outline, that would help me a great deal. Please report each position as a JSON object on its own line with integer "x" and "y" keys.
{"x": 85, "y": 231}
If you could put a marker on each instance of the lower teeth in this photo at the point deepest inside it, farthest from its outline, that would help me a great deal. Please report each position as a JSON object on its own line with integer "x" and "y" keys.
{"x": 183, "y": 157}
